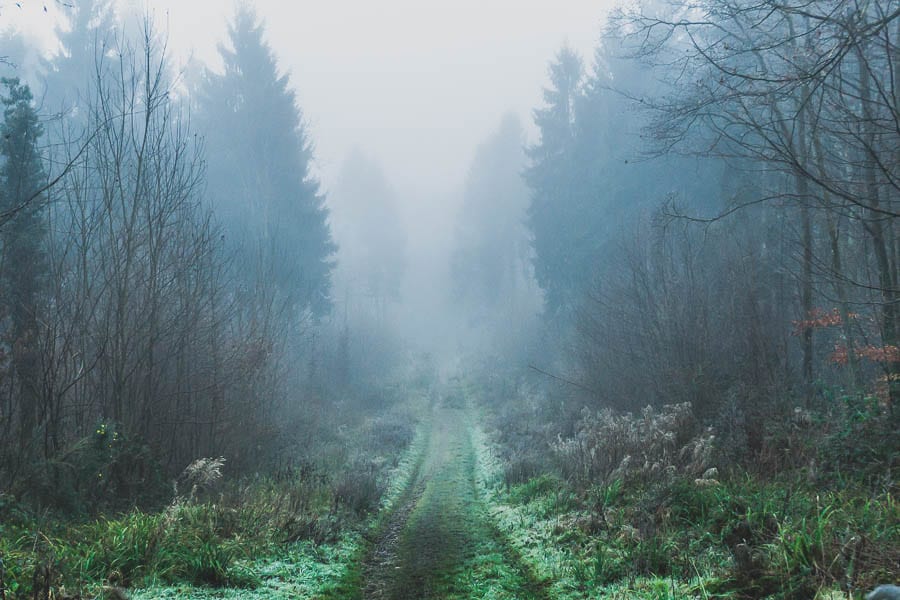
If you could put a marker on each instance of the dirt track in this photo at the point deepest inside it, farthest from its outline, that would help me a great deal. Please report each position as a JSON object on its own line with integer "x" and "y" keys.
{"x": 440, "y": 542}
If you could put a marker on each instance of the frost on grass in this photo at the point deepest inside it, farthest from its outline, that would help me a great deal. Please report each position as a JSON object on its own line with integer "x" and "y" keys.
{"x": 542, "y": 532}
{"x": 304, "y": 571}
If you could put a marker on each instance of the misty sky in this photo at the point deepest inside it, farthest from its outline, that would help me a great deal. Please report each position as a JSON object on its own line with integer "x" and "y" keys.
{"x": 415, "y": 83}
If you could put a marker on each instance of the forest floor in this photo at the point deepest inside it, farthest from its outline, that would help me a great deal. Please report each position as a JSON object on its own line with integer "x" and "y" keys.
{"x": 448, "y": 526}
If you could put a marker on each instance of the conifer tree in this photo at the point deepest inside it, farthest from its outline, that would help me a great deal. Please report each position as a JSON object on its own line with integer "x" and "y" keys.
{"x": 259, "y": 169}
{"x": 489, "y": 269}
{"x": 551, "y": 177}
{"x": 89, "y": 33}
{"x": 23, "y": 259}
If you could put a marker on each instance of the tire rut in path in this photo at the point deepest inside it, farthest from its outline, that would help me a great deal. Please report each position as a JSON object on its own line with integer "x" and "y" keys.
{"x": 381, "y": 563}
{"x": 440, "y": 542}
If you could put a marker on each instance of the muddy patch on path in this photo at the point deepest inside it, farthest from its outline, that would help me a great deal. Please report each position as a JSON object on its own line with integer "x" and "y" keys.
{"x": 381, "y": 565}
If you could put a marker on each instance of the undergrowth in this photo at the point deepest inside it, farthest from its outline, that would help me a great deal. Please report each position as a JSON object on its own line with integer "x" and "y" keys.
{"x": 644, "y": 506}
{"x": 240, "y": 534}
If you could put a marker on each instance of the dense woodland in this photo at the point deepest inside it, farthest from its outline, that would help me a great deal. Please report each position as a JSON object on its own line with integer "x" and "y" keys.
{"x": 691, "y": 267}
{"x": 152, "y": 290}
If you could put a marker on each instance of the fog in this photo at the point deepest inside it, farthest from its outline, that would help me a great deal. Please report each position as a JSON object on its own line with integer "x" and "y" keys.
{"x": 416, "y": 84}
{"x": 422, "y": 215}
{"x": 470, "y": 299}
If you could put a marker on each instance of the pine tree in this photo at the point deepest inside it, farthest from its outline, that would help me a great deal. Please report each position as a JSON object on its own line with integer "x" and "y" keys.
{"x": 260, "y": 158}
{"x": 23, "y": 266}
{"x": 364, "y": 211}
{"x": 71, "y": 72}
{"x": 491, "y": 244}
{"x": 552, "y": 215}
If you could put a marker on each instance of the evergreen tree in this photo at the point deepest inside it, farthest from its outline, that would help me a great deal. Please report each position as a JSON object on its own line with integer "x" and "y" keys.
{"x": 552, "y": 215}
{"x": 587, "y": 188}
{"x": 364, "y": 213}
{"x": 489, "y": 263}
{"x": 259, "y": 174}
{"x": 90, "y": 30}
{"x": 23, "y": 265}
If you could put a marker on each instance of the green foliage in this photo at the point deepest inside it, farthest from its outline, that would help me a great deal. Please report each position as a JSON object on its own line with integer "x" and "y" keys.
{"x": 749, "y": 538}
{"x": 533, "y": 488}
{"x": 107, "y": 470}
{"x": 184, "y": 544}
{"x": 865, "y": 445}
{"x": 23, "y": 267}
{"x": 706, "y": 533}
{"x": 606, "y": 567}
{"x": 228, "y": 536}
{"x": 520, "y": 469}
{"x": 553, "y": 215}
{"x": 604, "y": 496}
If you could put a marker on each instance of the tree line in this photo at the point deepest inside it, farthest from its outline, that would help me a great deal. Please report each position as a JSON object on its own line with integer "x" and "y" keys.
{"x": 713, "y": 210}
{"x": 709, "y": 213}
{"x": 165, "y": 260}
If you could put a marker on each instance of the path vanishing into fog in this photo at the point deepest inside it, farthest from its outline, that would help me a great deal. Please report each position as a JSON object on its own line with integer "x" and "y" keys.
{"x": 440, "y": 541}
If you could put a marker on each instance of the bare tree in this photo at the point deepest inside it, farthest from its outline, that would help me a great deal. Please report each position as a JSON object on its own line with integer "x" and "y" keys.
{"x": 807, "y": 91}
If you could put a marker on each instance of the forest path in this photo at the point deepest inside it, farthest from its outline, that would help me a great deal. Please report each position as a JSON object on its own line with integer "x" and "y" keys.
{"x": 440, "y": 542}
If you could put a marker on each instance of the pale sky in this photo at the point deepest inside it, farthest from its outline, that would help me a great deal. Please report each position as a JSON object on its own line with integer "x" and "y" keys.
{"x": 417, "y": 84}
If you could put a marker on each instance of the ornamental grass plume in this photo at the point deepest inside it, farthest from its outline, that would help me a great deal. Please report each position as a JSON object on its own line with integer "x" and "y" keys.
{"x": 200, "y": 475}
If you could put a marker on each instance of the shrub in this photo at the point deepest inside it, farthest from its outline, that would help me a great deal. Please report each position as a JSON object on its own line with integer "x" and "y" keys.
{"x": 358, "y": 490}
{"x": 389, "y": 434}
{"x": 608, "y": 446}
{"x": 108, "y": 470}
{"x": 521, "y": 469}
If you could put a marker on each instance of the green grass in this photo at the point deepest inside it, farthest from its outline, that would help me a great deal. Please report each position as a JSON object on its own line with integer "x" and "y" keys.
{"x": 184, "y": 544}
{"x": 301, "y": 570}
{"x": 466, "y": 533}
{"x": 441, "y": 542}
{"x": 451, "y": 548}
{"x": 306, "y": 569}
{"x": 290, "y": 538}
{"x": 746, "y": 538}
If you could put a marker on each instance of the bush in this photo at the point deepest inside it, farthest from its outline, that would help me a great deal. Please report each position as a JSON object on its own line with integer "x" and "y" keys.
{"x": 390, "y": 434}
{"x": 358, "y": 490}
{"x": 521, "y": 469}
{"x": 865, "y": 446}
{"x": 608, "y": 446}
{"x": 108, "y": 470}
